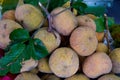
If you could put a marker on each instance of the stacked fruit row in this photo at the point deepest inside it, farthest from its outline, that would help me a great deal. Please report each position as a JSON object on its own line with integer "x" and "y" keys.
{"x": 76, "y": 50}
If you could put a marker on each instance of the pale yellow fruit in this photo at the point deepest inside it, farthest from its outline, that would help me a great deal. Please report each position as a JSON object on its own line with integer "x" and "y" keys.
{"x": 50, "y": 39}
{"x": 78, "y": 77}
{"x": 109, "y": 77}
{"x": 35, "y": 70}
{"x": 83, "y": 40}
{"x": 27, "y": 76}
{"x": 6, "y": 27}
{"x": 64, "y": 62}
{"x": 84, "y": 20}
{"x": 97, "y": 64}
{"x": 43, "y": 66}
{"x": 101, "y": 47}
{"x": 92, "y": 16}
{"x": 115, "y": 57}
{"x": 29, "y": 16}
{"x": 50, "y": 77}
{"x": 28, "y": 65}
{"x": 65, "y": 22}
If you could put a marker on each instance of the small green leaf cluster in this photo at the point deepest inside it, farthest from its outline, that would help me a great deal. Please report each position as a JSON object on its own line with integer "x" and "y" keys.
{"x": 21, "y": 48}
{"x": 100, "y": 23}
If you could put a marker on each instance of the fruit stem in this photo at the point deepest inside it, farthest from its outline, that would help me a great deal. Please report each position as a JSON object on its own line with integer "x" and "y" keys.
{"x": 107, "y": 32}
{"x": 48, "y": 16}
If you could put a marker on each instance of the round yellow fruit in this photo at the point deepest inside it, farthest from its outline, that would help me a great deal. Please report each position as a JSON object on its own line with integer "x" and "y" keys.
{"x": 101, "y": 47}
{"x": 115, "y": 57}
{"x": 65, "y": 22}
{"x": 97, "y": 64}
{"x": 29, "y": 16}
{"x": 6, "y": 27}
{"x": 83, "y": 41}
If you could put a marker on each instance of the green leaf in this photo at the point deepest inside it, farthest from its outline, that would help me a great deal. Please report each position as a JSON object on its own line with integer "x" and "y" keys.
{"x": 33, "y": 2}
{"x": 8, "y": 5}
{"x": 15, "y": 67}
{"x": 100, "y": 24}
{"x": 3, "y": 71}
{"x": 80, "y": 6}
{"x": 31, "y": 50}
{"x": 111, "y": 21}
{"x": 41, "y": 50}
{"x": 11, "y": 58}
{"x": 19, "y": 34}
{"x": 96, "y": 10}
{"x": 54, "y": 5}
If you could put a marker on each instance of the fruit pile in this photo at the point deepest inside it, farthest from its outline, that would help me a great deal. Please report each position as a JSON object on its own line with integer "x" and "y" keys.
{"x": 75, "y": 50}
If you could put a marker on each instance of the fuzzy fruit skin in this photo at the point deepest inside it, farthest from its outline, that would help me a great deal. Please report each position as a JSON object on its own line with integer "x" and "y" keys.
{"x": 65, "y": 22}
{"x": 43, "y": 66}
{"x": 102, "y": 48}
{"x": 29, "y": 16}
{"x": 84, "y": 20}
{"x": 27, "y": 76}
{"x": 50, "y": 39}
{"x": 83, "y": 40}
{"x": 6, "y": 27}
{"x": 78, "y": 77}
{"x": 92, "y": 16}
{"x": 115, "y": 57}
{"x": 97, "y": 64}
{"x": 109, "y": 77}
{"x": 64, "y": 62}
{"x": 50, "y": 77}
{"x": 10, "y": 14}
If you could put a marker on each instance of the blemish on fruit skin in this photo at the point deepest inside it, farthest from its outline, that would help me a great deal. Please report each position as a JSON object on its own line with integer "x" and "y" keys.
{"x": 90, "y": 38}
{"x": 86, "y": 20}
{"x": 5, "y": 26}
{"x": 3, "y": 35}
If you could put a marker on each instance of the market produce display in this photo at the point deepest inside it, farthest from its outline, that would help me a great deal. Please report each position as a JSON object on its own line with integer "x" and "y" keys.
{"x": 41, "y": 40}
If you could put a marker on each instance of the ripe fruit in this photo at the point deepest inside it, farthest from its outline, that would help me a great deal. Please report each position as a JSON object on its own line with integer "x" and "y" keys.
{"x": 101, "y": 47}
{"x": 43, "y": 66}
{"x": 28, "y": 65}
{"x": 10, "y": 14}
{"x": 50, "y": 77}
{"x": 6, "y": 27}
{"x": 97, "y": 64}
{"x": 29, "y": 16}
{"x": 50, "y": 39}
{"x": 109, "y": 77}
{"x": 64, "y": 62}
{"x": 27, "y": 76}
{"x": 115, "y": 57}
{"x": 84, "y": 20}
{"x": 78, "y": 77}
{"x": 83, "y": 40}
{"x": 65, "y": 22}
{"x": 92, "y": 16}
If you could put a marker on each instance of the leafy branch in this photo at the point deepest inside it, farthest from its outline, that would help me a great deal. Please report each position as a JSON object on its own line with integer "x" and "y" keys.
{"x": 21, "y": 48}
